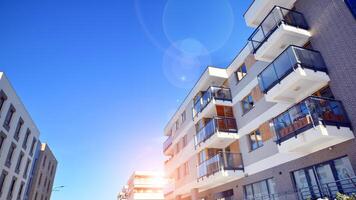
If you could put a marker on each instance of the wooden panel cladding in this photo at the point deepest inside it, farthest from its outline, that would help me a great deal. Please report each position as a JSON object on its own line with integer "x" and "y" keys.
{"x": 224, "y": 111}
{"x": 266, "y": 131}
{"x": 235, "y": 147}
{"x": 249, "y": 61}
{"x": 256, "y": 94}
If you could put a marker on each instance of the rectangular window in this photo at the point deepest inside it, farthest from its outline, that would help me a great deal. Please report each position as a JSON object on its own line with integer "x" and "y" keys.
{"x": 247, "y": 103}
{"x": 185, "y": 141}
{"x": 26, "y": 168}
{"x": 241, "y": 72}
{"x": 11, "y": 189}
{"x": 177, "y": 125}
{"x": 2, "y": 181}
{"x": 24, "y": 144}
{"x": 44, "y": 161}
{"x": 48, "y": 186}
{"x": 40, "y": 180}
{"x": 8, "y": 118}
{"x": 34, "y": 140}
{"x": 52, "y": 169}
{"x": 10, "y": 155}
{"x": 351, "y": 4}
{"x": 184, "y": 117}
{"x": 260, "y": 190}
{"x": 18, "y": 129}
{"x": 256, "y": 140}
{"x": 19, "y": 161}
{"x": 2, "y": 140}
{"x": 3, "y": 98}
{"x": 186, "y": 169}
{"x": 19, "y": 194}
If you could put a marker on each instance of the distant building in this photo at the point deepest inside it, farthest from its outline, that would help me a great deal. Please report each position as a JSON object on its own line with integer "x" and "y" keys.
{"x": 144, "y": 185}
{"x": 42, "y": 175}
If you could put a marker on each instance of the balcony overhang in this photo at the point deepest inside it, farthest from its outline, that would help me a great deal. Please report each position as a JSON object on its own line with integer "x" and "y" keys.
{"x": 281, "y": 38}
{"x": 315, "y": 139}
{"x": 218, "y": 140}
{"x": 259, "y": 9}
{"x": 297, "y": 85}
{"x": 219, "y": 178}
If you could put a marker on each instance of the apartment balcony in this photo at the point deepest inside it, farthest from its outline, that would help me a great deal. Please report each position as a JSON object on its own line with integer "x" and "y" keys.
{"x": 167, "y": 146}
{"x": 293, "y": 75}
{"x": 205, "y": 105}
{"x": 220, "y": 169}
{"x": 311, "y": 125}
{"x": 259, "y": 9}
{"x": 282, "y": 27}
{"x": 219, "y": 132}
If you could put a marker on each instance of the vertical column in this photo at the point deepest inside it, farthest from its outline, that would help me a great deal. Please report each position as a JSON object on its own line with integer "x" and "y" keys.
{"x": 194, "y": 193}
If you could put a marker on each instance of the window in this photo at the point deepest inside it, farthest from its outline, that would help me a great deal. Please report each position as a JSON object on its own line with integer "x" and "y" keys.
{"x": 256, "y": 140}
{"x": 184, "y": 141}
{"x": 184, "y": 117}
{"x": 10, "y": 155}
{"x": 45, "y": 182}
{"x": 8, "y": 118}
{"x": 2, "y": 140}
{"x": 186, "y": 169}
{"x": 2, "y": 181}
{"x": 351, "y": 4}
{"x": 247, "y": 103}
{"x": 19, "y": 161}
{"x": 241, "y": 72}
{"x": 11, "y": 189}
{"x": 177, "y": 125}
{"x": 260, "y": 190}
{"x": 18, "y": 129}
{"x": 48, "y": 186}
{"x": 19, "y": 194}
{"x": 34, "y": 140}
{"x": 225, "y": 195}
{"x": 24, "y": 144}
{"x": 3, "y": 98}
{"x": 26, "y": 168}
{"x": 52, "y": 169}
{"x": 40, "y": 180}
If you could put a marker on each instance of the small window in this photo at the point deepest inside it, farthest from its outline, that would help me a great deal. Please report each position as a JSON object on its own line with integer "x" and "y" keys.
{"x": 40, "y": 180}
{"x": 10, "y": 155}
{"x": 177, "y": 125}
{"x": 19, "y": 161}
{"x": 185, "y": 141}
{"x": 2, "y": 181}
{"x": 26, "y": 168}
{"x": 256, "y": 140}
{"x": 34, "y": 140}
{"x": 18, "y": 129}
{"x": 184, "y": 117}
{"x": 2, "y": 140}
{"x": 24, "y": 144}
{"x": 247, "y": 103}
{"x": 3, "y": 98}
{"x": 12, "y": 187}
{"x": 186, "y": 169}
{"x": 351, "y": 4}
{"x": 19, "y": 194}
{"x": 241, "y": 72}
{"x": 8, "y": 118}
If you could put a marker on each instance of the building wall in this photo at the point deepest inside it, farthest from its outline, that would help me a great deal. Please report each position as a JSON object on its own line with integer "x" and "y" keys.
{"x": 334, "y": 35}
{"x": 43, "y": 175}
{"x": 22, "y": 175}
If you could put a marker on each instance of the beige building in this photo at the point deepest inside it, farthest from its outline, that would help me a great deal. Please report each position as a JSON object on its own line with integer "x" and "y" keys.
{"x": 277, "y": 122}
{"x": 18, "y": 140}
{"x": 144, "y": 185}
{"x": 43, "y": 175}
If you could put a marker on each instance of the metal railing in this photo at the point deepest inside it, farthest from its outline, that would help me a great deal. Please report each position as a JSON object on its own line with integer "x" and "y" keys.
{"x": 167, "y": 143}
{"x": 220, "y": 162}
{"x": 289, "y": 60}
{"x": 276, "y": 17}
{"x": 309, "y": 113}
{"x": 214, "y": 125}
{"x": 217, "y": 93}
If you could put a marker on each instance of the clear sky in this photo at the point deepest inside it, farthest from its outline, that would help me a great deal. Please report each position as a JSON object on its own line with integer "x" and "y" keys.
{"x": 102, "y": 77}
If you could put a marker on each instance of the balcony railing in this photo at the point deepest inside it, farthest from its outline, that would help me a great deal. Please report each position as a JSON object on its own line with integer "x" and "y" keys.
{"x": 220, "y": 162}
{"x": 311, "y": 112}
{"x": 289, "y": 60}
{"x": 275, "y": 18}
{"x": 217, "y": 93}
{"x": 214, "y": 125}
{"x": 167, "y": 143}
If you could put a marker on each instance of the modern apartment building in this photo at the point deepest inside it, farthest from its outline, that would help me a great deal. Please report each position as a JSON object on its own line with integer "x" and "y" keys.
{"x": 277, "y": 123}
{"x": 42, "y": 175}
{"x": 144, "y": 185}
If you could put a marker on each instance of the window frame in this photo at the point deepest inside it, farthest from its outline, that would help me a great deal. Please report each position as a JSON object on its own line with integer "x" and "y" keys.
{"x": 239, "y": 70}
{"x": 258, "y": 142}
{"x": 249, "y": 101}
{"x": 258, "y": 182}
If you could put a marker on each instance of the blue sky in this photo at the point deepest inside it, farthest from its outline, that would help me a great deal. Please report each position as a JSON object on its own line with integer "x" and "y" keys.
{"x": 101, "y": 78}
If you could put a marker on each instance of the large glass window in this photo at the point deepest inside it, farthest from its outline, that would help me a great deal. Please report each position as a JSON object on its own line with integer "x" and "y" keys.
{"x": 241, "y": 72}
{"x": 247, "y": 103}
{"x": 325, "y": 179}
{"x": 260, "y": 190}
{"x": 352, "y": 6}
